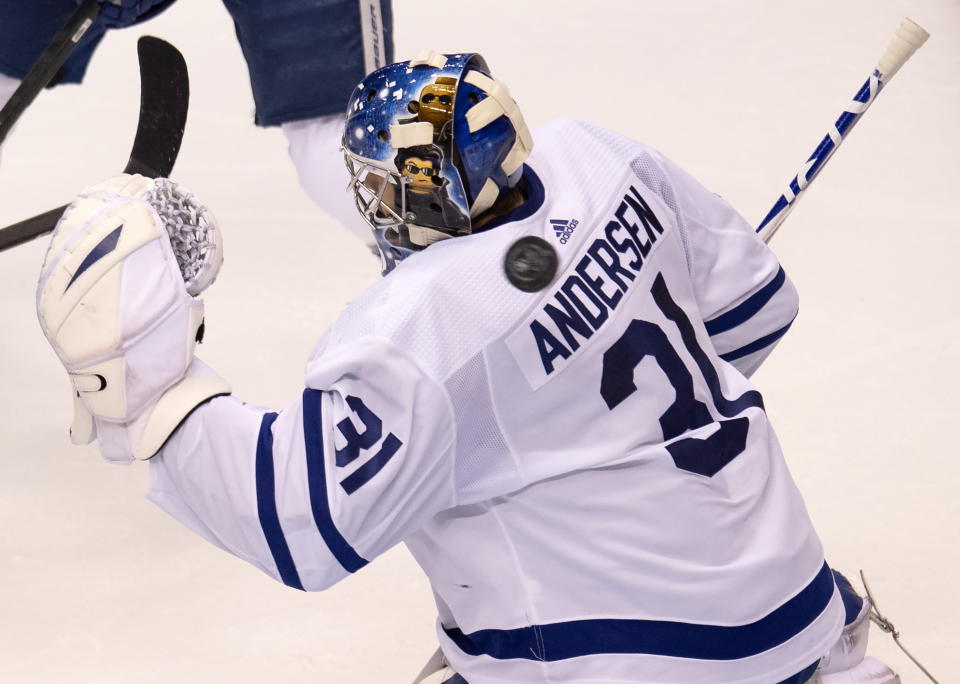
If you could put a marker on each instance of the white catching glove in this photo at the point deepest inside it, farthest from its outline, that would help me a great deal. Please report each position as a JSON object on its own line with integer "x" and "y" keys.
{"x": 116, "y": 299}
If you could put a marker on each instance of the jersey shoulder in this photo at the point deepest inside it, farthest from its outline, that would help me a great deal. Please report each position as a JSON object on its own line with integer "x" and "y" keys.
{"x": 439, "y": 306}
{"x": 575, "y": 154}
{"x": 557, "y": 135}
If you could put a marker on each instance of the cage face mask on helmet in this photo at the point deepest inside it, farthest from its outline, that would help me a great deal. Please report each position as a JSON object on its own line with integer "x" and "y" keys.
{"x": 430, "y": 144}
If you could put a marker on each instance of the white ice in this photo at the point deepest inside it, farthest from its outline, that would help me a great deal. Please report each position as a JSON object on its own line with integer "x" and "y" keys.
{"x": 98, "y": 586}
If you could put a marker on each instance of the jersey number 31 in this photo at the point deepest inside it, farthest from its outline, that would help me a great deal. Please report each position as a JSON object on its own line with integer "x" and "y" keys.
{"x": 641, "y": 339}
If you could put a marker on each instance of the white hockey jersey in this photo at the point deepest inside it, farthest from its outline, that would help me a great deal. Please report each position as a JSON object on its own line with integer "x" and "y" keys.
{"x": 585, "y": 473}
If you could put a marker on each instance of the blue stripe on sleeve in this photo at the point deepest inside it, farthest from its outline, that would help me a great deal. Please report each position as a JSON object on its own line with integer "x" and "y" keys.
{"x": 757, "y": 345}
{"x": 746, "y": 309}
{"x": 317, "y": 483}
{"x": 267, "y": 506}
{"x": 576, "y": 638}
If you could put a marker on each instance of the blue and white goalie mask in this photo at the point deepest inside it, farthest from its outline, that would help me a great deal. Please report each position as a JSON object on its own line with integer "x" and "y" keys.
{"x": 431, "y": 144}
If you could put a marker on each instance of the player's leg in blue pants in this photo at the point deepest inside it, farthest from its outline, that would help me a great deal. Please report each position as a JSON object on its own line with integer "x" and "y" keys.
{"x": 304, "y": 61}
{"x": 27, "y": 27}
{"x": 305, "y": 58}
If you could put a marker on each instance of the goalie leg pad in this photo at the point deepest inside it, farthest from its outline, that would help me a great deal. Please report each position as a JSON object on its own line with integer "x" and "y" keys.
{"x": 867, "y": 671}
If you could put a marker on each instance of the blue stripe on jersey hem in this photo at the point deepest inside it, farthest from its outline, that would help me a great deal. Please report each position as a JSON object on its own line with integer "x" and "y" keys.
{"x": 317, "y": 483}
{"x": 746, "y": 309}
{"x": 757, "y": 345}
{"x": 267, "y": 506}
{"x": 562, "y": 640}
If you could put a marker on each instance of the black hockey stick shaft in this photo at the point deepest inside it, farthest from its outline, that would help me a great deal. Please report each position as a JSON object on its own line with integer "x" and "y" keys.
{"x": 48, "y": 64}
{"x": 164, "y": 99}
{"x": 24, "y": 231}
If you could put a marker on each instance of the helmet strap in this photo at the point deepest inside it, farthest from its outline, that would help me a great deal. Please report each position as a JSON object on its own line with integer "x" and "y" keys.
{"x": 424, "y": 235}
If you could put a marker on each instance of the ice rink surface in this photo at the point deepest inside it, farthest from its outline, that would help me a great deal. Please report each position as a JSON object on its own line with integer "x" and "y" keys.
{"x": 98, "y": 586}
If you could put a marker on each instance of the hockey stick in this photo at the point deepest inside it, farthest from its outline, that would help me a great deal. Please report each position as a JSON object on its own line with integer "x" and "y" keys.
{"x": 48, "y": 63}
{"x": 907, "y": 39}
{"x": 164, "y": 96}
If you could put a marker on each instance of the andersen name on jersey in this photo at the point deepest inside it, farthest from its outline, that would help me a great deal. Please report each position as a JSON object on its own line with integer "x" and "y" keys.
{"x": 584, "y": 301}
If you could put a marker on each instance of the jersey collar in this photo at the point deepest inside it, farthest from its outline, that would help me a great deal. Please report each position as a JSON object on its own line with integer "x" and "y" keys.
{"x": 532, "y": 189}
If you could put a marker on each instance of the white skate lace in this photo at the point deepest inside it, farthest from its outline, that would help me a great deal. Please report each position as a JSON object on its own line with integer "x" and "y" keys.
{"x": 881, "y": 621}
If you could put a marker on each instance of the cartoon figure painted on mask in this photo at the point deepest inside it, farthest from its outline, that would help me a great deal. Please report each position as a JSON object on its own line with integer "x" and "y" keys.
{"x": 435, "y": 105}
{"x": 420, "y": 168}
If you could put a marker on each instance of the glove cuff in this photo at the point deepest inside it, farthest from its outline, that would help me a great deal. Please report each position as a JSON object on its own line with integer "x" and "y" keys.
{"x": 174, "y": 406}
{"x": 142, "y": 438}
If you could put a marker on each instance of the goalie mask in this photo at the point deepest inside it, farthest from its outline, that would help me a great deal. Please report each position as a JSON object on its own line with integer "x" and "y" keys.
{"x": 430, "y": 145}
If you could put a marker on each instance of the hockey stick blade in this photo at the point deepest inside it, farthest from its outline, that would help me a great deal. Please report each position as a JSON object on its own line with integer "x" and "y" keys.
{"x": 61, "y": 46}
{"x": 164, "y": 99}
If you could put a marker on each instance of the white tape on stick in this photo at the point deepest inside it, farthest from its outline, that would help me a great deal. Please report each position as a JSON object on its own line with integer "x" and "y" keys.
{"x": 907, "y": 39}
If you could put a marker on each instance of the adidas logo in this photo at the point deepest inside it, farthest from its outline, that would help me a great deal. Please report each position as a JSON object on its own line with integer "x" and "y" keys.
{"x": 564, "y": 229}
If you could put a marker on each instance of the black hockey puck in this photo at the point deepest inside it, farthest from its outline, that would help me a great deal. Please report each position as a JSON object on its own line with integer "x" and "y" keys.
{"x": 530, "y": 264}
